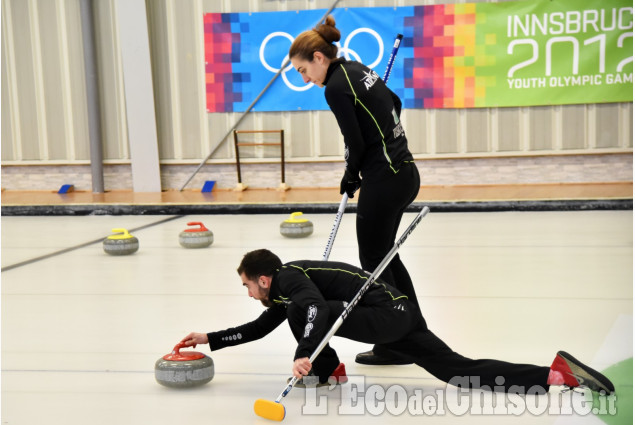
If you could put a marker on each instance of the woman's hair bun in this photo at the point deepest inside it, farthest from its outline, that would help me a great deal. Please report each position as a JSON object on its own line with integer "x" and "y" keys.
{"x": 318, "y": 39}
{"x": 328, "y": 31}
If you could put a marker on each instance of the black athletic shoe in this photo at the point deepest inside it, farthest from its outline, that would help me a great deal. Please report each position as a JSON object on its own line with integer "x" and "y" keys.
{"x": 370, "y": 358}
{"x": 576, "y": 374}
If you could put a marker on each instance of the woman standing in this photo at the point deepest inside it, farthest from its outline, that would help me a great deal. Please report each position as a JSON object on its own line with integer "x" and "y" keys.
{"x": 376, "y": 155}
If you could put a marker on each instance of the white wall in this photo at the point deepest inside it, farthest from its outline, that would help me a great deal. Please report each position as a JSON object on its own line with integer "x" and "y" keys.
{"x": 44, "y": 107}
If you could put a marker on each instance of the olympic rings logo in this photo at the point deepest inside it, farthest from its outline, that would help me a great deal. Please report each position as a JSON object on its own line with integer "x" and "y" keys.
{"x": 345, "y": 51}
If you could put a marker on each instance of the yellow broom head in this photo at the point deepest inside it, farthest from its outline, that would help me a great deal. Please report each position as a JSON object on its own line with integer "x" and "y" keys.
{"x": 269, "y": 410}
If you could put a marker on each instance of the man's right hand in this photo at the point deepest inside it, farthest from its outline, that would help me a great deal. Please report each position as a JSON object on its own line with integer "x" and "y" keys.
{"x": 195, "y": 338}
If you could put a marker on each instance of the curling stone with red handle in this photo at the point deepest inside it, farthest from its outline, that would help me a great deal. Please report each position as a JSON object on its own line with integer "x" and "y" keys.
{"x": 183, "y": 369}
{"x": 198, "y": 237}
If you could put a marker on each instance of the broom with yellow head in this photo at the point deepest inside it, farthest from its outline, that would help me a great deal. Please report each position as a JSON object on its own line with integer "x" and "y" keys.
{"x": 275, "y": 410}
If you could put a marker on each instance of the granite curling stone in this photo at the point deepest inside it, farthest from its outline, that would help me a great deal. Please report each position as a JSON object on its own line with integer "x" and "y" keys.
{"x": 295, "y": 227}
{"x": 197, "y": 237}
{"x": 183, "y": 369}
{"x": 121, "y": 243}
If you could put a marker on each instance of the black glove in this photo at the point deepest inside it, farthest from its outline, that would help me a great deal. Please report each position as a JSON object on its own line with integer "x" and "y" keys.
{"x": 350, "y": 183}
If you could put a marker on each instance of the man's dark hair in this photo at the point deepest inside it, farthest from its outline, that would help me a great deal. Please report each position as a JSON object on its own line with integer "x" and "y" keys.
{"x": 260, "y": 262}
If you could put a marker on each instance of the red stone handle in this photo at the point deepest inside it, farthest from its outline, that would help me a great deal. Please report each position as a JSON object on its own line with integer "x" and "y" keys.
{"x": 177, "y": 348}
{"x": 201, "y": 227}
{"x": 176, "y": 354}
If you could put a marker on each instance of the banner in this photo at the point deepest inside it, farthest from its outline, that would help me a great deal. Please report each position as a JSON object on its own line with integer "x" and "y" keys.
{"x": 452, "y": 56}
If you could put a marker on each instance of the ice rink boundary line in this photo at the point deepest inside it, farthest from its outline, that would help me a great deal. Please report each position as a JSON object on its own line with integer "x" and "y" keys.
{"x": 83, "y": 245}
{"x": 313, "y": 208}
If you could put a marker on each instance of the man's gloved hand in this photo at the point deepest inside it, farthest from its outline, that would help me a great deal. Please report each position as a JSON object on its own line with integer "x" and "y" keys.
{"x": 350, "y": 183}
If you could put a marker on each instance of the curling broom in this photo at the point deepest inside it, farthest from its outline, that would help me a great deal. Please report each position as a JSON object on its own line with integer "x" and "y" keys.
{"x": 275, "y": 410}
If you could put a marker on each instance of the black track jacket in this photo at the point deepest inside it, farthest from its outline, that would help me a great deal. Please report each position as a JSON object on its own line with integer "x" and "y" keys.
{"x": 367, "y": 112}
{"x": 310, "y": 285}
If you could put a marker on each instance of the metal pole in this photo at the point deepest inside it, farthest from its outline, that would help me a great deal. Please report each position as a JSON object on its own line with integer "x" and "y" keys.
{"x": 240, "y": 180}
{"x": 249, "y": 107}
{"x": 92, "y": 95}
{"x": 282, "y": 153}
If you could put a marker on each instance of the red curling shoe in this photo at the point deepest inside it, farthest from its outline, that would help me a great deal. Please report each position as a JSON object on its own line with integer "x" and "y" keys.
{"x": 567, "y": 370}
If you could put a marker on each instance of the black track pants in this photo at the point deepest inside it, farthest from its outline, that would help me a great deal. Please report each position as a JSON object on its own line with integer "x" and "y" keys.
{"x": 396, "y": 325}
{"x": 428, "y": 351}
{"x": 379, "y": 210}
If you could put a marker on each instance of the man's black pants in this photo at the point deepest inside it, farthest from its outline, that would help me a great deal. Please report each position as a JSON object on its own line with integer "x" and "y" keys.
{"x": 398, "y": 326}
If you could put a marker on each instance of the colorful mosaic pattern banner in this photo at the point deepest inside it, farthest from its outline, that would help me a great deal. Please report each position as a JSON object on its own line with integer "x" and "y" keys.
{"x": 442, "y": 71}
{"x": 513, "y": 53}
{"x": 222, "y": 50}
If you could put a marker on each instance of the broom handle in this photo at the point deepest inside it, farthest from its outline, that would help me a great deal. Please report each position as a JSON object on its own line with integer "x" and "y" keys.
{"x": 336, "y": 225}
